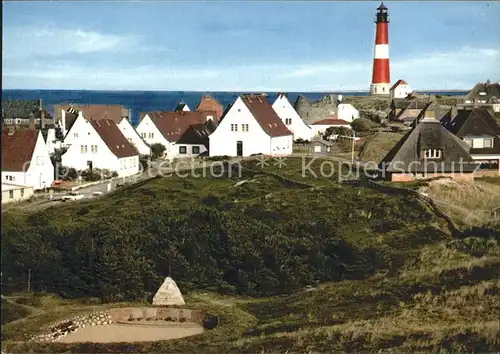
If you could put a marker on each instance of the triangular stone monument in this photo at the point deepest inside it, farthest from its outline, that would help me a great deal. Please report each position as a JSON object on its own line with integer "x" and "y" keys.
{"x": 168, "y": 294}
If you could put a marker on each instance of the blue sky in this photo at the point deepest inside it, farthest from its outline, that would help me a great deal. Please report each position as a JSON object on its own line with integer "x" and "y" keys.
{"x": 244, "y": 46}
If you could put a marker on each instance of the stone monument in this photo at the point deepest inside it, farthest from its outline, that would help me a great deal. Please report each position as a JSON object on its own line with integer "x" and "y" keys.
{"x": 168, "y": 294}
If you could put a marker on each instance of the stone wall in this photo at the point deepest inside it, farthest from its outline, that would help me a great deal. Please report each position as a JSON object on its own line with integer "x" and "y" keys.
{"x": 120, "y": 315}
{"x": 311, "y": 112}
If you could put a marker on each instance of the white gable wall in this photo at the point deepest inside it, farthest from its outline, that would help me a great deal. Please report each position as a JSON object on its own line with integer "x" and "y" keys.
{"x": 347, "y": 112}
{"x": 131, "y": 134}
{"x": 40, "y": 173}
{"x": 401, "y": 91}
{"x": 77, "y": 131}
{"x": 101, "y": 157}
{"x": 286, "y": 112}
{"x": 148, "y": 131}
{"x": 223, "y": 141}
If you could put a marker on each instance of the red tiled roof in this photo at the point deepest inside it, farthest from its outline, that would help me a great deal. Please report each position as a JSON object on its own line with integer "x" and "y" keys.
{"x": 174, "y": 124}
{"x": 331, "y": 121}
{"x": 399, "y": 82}
{"x": 265, "y": 115}
{"x": 18, "y": 149}
{"x": 113, "y": 138}
{"x": 94, "y": 111}
{"x": 208, "y": 103}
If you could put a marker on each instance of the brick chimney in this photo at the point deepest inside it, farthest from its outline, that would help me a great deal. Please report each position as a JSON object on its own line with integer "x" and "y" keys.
{"x": 42, "y": 115}
{"x": 32, "y": 125}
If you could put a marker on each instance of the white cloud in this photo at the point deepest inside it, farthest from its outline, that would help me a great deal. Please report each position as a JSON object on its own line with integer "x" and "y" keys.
{"x": 27, "y": 42}
{"x": 459, "y": 69}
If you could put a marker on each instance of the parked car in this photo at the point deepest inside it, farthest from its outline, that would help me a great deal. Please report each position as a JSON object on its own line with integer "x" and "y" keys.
{"x": 72, "y": 196}
{"x": 97, "y": 193}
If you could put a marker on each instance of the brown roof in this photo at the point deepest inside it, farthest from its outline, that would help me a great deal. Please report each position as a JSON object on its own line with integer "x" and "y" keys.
{"x": 265, "y": 115}
{"x": 17, "y": 149}
{"x": 94, "y": 111}
{"x": 208, "y": 103}
{"x": 397, "y": 83}
{"x": 174, "y": 124}
{"x": 113, "y": 137}
{"x": 332, "y": 121}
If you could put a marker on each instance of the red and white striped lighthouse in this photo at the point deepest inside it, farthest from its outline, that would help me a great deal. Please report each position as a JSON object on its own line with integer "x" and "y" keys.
{"x": 381, "y": 78}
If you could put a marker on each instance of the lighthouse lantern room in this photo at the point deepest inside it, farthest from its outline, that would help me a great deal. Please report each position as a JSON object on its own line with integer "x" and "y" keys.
{"x": 381, "y": 79}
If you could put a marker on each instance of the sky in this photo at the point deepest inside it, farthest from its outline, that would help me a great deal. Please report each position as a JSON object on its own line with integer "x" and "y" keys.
{"x": 244, "y": 46}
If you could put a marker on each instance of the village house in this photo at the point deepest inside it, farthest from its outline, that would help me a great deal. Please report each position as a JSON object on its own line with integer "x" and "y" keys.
{"x": 167, "y": 128}
{"x": 291, "y": 118}
{"x": 195, "y": 141}
{"x": 210, "y": 104}
{"x": 485, "y": 95}
{"x": 133, "y": 137}
{"x": 25, "y": 158}
{"x": 16, "y": 193}
{"x": 428, "y": 151}
{"x": 182, "y": 107}
{"x": 479, "y": 129}
{"x": 67, "y": 114}
{"x": 347, "y": 112}
{"x": 406, "y": 110}
{"x": 400, "y": 89}
{"x": 321, "y": 126}
{"x": 20, "y": 112}
{"x": 99, "y": 144}
{"x": 320, "y": 146}
{"x": 311, "y": 112}
{"x": 251, "y": 126}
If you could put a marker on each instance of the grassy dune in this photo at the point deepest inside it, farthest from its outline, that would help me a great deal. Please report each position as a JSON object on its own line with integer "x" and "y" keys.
{"x": 423, "y": 290}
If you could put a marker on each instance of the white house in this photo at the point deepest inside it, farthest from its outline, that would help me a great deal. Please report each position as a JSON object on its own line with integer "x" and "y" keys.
{"x": 321, "y": 126}
{"x": 131, "y": 134}
{"x": 100, "y": 144}
{"x": 167, "y": 128}
{"x": 25, "y": 159}
{"x": 291, "y": 118}
{"x": 251, "y": 126}
{"x": 347, "y": 112}
{"x": 400, "y": 89}
{"x": 15, "y": 193}
{"x": 182, "y": 107}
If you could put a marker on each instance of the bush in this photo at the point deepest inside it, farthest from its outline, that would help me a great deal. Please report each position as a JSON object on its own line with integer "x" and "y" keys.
{"x": 362, "y": 125}
{"x": 157, "y": 150}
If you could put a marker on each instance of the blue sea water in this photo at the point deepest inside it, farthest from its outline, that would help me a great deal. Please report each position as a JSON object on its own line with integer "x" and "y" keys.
{"x": 144, "y": 101}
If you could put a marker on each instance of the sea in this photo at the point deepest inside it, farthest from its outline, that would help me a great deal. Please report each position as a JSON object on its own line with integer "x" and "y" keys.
{"x": 144, "y": 101}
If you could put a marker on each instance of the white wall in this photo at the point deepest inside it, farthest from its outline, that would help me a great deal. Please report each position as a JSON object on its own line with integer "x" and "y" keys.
{"x": 189, "y": 150}
{"x": 77, "y": 131}
{"x": 347, "y": 112}
{"x": 401, "y": 91}
{"x": 40, "y": 173}
{"x": 131, "y": 134}
{"x": 15, "y": 193}
{"x": 255, "y": 140}
{"x": 286, "y": 111}
{"x": 282, "y": 145}
{"x": 148, "y": 131}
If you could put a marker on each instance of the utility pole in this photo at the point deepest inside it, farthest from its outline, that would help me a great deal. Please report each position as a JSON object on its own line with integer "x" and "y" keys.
{"x": 352, "y": 153}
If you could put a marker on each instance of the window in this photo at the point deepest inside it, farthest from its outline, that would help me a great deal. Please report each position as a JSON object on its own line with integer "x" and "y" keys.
{"x": 234, "y": 127}
{"x": 75, "y": 135}
{"x": 317, "y": 148}
{"x": 288, "y": 121}
{"x": 244, "y": 127}
{"x": 143, "y": 135}
{"x": 93, "y": 148}
{"x": 151, "y": 135}
{"x": 433, "y": 154}
{"x": 11, "y": 194}
{"x": 182, "y": 150}
{"x": 83, "y": 149}
{"x": 195, "y": 149}
{"x": 488, "y": 143}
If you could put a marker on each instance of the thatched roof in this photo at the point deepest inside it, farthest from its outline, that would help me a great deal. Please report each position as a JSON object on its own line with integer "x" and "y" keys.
{"x": 407, "y": 154}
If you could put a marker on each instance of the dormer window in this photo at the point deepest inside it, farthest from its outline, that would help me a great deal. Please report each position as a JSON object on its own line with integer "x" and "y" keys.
{"x": 433, "y": 154}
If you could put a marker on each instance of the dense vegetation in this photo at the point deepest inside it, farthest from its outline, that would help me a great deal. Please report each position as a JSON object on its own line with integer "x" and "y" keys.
{"x": 390, "y": 275}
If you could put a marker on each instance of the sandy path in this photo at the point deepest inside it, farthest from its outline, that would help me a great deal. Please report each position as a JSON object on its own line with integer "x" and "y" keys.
{"x": 130, "y": 333}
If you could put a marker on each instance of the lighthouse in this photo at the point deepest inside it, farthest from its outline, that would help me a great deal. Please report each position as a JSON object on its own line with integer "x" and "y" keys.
{"x": 381, "y": 78}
